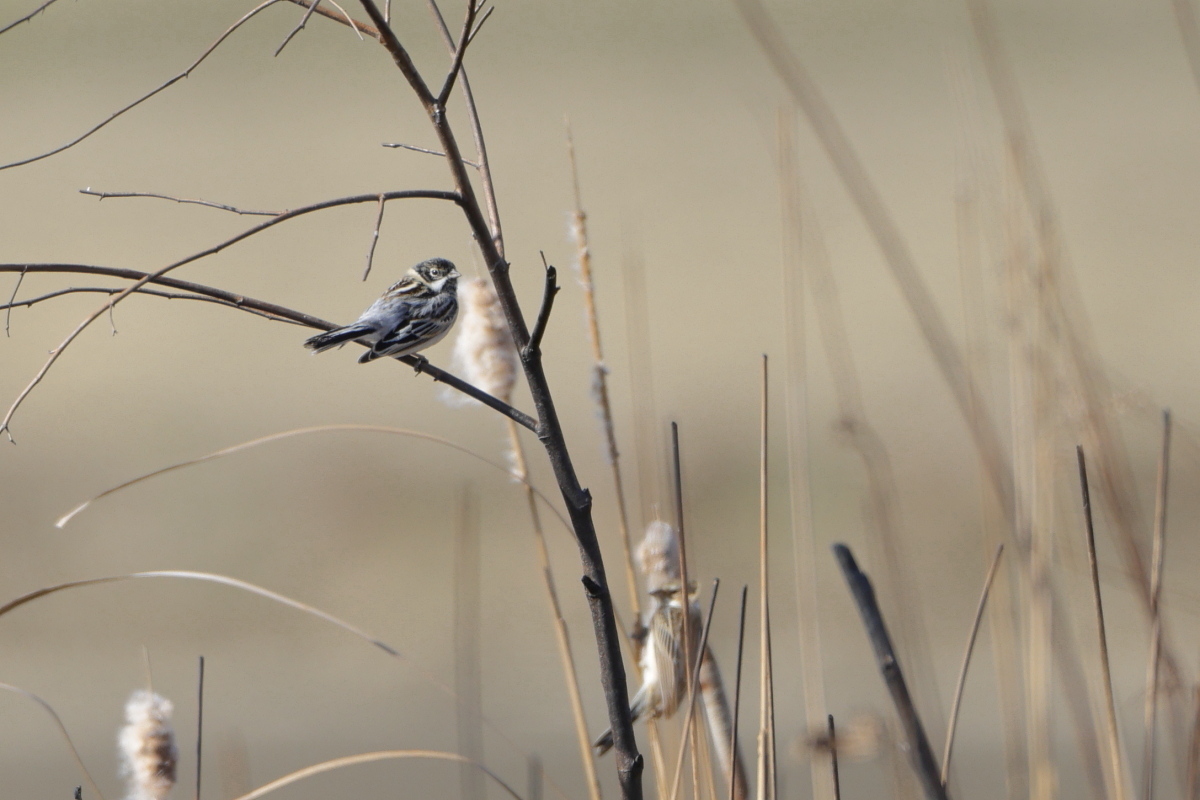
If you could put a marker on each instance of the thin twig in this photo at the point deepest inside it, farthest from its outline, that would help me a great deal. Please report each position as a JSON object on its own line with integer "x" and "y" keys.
{"x": 27, "y": 17}
{"x": 923, "y": 760}
{"x": 299, "y": 26}
{"x": 543, "y": 318}
{"x": 207, "y": 203}
{"x": 32, "y": 301}
{"x": 766, "y": 712}
{"x": 287, "y": 215}
{"x": 11, "y": 302}
{"x": 459, "y": 53}
{"x": 951, "y": 726}
{"x": 694, "y": 679}
{"x": 425, "y": 150}
{"x": 62, "y": 729}
{"x": 479, "y": 26}
{"x": 1114, "y": 744}
{"x": 358, "y": 27}
{"x": 374, "y": 238}
{"x": 1156, "y": 580}
{"x": 831, "y": 732}
{"x": 170, "y": 82}
{"x": 199, "y": 726}
{"x": 737, "y": 690}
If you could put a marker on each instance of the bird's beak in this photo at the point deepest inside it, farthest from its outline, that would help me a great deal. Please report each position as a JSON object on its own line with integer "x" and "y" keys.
{"x": 455, "y": 273}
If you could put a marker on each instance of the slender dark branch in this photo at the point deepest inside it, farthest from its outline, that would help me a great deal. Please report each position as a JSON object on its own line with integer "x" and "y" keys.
{"x": 543, "y": 317}
{"x": 479, "y": 26}
{"x": 206, "y": 203}
{"x": 32, "y": 301}
{"x": 199, "y": 726}
{"x": 459, "y": 53}
{"x": 299, "y": 26}
{"x": 374, "y": 238}
{"x": 416, "y": 149}
{"x": 922, "y": 756}
{"x": 403, "y": 61}
{"x": 833, "y": 750}
{"x": 278, "y": 312}
{"x": 162, "y": 87}
{"x": 345, "y": 19}
{"x": 27, "y": 17}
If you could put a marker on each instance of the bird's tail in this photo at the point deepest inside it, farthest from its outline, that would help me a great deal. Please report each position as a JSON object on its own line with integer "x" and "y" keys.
{"x": 638, "y": 707}
{"x": 323, "y": 341}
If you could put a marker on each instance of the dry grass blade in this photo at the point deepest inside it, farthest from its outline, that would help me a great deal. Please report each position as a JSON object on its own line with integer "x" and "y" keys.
{"x": 737, "y": 688}
{"x": 1116, "y": 771}
{"x": 966, "y": 662}
{"x": 208, "y": 577}
{"x": 199, "y": 726}
{"x": 87, "y": 776}
{"x": 1160, "y": 540}
{"x": 367, "y": 758}
{"x": 766, "y": 720}
{"x": 275, "y": 437}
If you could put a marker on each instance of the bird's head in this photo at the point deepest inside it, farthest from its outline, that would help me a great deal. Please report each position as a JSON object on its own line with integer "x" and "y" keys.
{"x": 436, "y": 273}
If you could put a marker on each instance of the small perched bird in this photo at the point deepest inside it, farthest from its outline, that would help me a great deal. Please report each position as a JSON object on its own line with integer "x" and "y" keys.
{"x": 413, "y": 314}
{"x": 664, "y": 672}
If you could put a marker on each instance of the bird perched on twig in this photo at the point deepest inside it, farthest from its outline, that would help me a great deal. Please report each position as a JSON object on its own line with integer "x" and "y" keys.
{"x": 412, "y": 314}
{"x": 664, "y": 671}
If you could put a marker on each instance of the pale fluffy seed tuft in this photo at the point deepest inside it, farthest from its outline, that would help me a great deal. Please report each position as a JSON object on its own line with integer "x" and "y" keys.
{"x": 147, "y": 745}
{"x": 484, "y": 350}
{"x": 658, "y": 556}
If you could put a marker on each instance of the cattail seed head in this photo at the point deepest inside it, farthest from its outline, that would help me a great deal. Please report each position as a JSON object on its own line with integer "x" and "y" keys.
{"x": 147, "y": 745}
{"x": 484, "y": 349}
{"x": 658, "y": 556}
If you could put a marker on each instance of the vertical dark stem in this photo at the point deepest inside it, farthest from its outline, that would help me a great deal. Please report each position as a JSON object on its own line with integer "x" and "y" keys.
{"x": 199, "y": 726}
{"x": 831, "y": 732}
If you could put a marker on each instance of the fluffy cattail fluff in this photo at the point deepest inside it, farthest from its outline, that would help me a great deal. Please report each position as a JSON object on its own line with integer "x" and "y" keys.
{"x": 147, "y": 744}
{"x": 658, "y": 556}
{"x": 484, "y": 350}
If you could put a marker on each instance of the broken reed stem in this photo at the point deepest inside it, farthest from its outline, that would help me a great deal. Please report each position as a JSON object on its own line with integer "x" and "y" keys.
{"x": 562, "y": 635}
{"x": 1117, "y": 790}
{"x": 600, "y": 372}
{"x": 966, "y": 662}
{"x": 1160, "y": 540}
{"x": 923, "y": 761}
{"x": 737, "y": 689}
{"x": 766, "y": 719}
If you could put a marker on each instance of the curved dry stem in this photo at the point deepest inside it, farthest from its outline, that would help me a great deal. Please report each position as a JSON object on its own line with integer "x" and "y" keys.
{"x": 427, "y": 194}
{"x": 275, "y": 437}
{"x": 87, "y": 776}
{"x": 162, "y": 87}
{"x": 181, "y": 200}
{"x": 41, "y": 298}
{"x": 27, "y": 17}
{"x": 209, "y": 577}
{"x": 367, "y": 758}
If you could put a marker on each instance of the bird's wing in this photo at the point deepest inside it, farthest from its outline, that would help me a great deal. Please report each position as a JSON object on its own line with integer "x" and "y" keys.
{"x": 665, "y": 630}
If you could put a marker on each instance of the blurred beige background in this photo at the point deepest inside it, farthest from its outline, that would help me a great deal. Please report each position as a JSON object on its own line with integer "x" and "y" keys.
{"x": 674, "y": 114}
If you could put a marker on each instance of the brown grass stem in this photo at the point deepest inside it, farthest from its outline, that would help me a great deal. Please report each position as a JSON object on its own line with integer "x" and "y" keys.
{"x": 693, "y": 681}
{"x": 684, "y": 583}
{"x": 350, "y": 428}
{"x": 583, "y": 253}
{"x": 367, "y": 758}
{"x": 562, "y": 635}
{"x": 920, "y": 753}
{"x": 1156, "y": 581}
{"x": 199, "y": 725}
{"x": 766, "y": 721}
{"x": 1116, "y": 772}
{"x": 737, "y": 688}
{"x": 831, "y": 732}
{"x": 951, "y": 726}
{"x": 62, "y": 729}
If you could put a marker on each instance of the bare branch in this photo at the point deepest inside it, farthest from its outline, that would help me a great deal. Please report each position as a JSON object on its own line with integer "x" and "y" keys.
{"x": 206, "y": 203}
{"x": 151, "y": 292}
{"x": 8, "y": 308}
{"x": 416, "y": 149}
{"x": 374, "y": 237}
{"x": 299, "y": 26}
{"x": 543, "y": 317}
{"x": 27, "y": 17}
{"x": 358, "y": 27}
{"x": 479, "y": 26}
{"x": 459, "y": 53}
{"x": 162, "y": 87}
{"x": 56, "y": 352}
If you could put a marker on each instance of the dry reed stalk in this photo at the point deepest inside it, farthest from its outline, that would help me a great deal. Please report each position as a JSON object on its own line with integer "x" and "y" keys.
{"x": 579, "y": 233}
{"x": 62, "y": 729}
{"x": 1156, "y": 580}
{"x": 199, "y": 726}
{"x": 767, "y": 781}
{"x": 562, "y": 635}
{"x": 686, "y": 634}
{"x": 468, "y": 661}
{"x": 1116, "y": 767}
{"x": 966, "y": 661}
{"x": 804, "y": 552}
{"x": 692, "y": 686}
{"x": 147, "y": 744}
{"x": 737, "y": 686}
